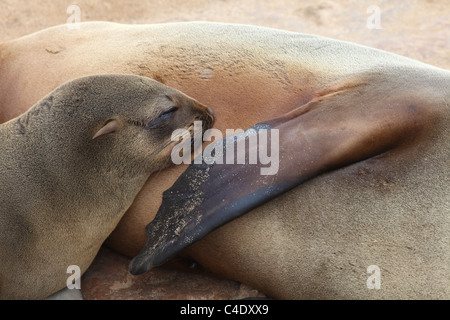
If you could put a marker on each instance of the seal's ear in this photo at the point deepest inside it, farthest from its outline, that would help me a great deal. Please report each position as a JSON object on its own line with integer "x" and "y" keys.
{"x": 112, "y": 125}
{"x": 337, "y": 128}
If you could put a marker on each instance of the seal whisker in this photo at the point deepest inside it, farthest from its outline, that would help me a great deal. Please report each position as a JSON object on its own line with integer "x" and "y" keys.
{"x": 154, "y": 154}
{"x": 189, "y": 133}
{"x": 164, "y": 165}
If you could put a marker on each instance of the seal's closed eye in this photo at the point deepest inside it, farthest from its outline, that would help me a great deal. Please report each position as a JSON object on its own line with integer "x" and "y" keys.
{"x": 161, "y": 119}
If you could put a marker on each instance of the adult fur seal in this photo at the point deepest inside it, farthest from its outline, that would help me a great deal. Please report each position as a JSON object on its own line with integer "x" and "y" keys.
{"x": 318, "y": 140}
{"x": 72, "y": 165}
{"x": 317, "y": 240}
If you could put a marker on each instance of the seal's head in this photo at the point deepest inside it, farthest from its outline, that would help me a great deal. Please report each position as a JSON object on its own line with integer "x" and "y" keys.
{"x": 119, "y": 125}
{"x": 94, "y": 141}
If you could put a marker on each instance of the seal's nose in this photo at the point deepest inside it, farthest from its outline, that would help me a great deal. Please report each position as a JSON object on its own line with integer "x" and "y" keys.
{"x": 210, "y": 117}
{"x": 204, "y": 113}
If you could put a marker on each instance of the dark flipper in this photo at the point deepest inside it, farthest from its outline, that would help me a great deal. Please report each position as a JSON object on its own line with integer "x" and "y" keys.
{"x": 205, "y": 197}
{"x": 323, "y": 135}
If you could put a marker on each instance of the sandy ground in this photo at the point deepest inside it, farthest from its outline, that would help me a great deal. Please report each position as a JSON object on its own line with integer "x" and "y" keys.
{"x": 417, "y": 29}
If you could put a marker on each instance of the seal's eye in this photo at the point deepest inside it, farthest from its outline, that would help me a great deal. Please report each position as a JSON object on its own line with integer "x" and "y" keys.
{"x": 161, "y": 119}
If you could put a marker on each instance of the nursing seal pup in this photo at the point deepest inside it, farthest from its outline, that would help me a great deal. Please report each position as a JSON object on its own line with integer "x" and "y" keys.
{"x": 72, "y": 165}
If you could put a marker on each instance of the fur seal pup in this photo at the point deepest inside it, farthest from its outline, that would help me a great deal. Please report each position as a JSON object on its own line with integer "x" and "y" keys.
{"x": 72, "y": 165}
{"x": 317, "y": 240}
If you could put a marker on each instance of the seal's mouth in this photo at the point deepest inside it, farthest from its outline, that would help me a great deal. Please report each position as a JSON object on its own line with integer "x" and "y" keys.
{"x": 195, "y": 130}
{"x": 207, "y": 118}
